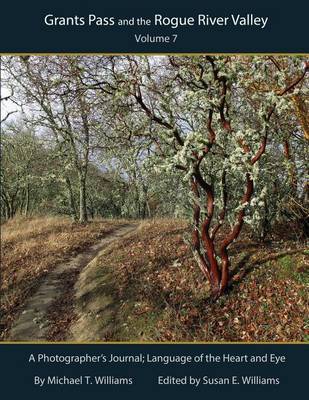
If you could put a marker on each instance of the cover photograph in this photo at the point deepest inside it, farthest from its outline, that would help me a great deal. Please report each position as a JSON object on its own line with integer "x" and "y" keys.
{"x": 154, "y": 200}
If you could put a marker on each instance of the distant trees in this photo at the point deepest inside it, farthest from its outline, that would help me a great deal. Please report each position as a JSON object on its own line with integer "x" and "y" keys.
{"x": 62, "y": 96}
{"x": 22, "y": 170}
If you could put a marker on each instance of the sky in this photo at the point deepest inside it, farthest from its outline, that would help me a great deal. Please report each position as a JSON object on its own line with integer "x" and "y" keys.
{"x": 7, "y": 106}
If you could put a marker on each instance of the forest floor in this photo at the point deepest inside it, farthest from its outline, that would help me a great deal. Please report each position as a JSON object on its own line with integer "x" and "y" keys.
{"x": 37, "y": 255}
{"x": 147, "y": 287}
{"x": 59, "y": 285}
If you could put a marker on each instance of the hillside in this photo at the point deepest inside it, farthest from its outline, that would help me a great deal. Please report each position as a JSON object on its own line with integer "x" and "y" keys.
{"x": 31, "y": 247}
{"x": 147, "y": 287}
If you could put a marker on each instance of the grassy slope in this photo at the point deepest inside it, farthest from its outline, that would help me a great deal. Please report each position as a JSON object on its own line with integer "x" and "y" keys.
{"x": 147, "y": 287}
{"x": 32, "y": 247}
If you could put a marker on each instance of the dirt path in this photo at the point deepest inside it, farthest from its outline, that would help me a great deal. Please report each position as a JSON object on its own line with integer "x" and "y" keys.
{"x": 33, "y": 324}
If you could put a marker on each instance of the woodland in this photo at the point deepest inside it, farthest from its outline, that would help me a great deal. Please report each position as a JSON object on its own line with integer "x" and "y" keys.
{"x": 215, "y": 143}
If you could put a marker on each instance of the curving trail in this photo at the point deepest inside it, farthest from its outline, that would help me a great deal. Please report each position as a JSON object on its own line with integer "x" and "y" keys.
{"x": 33, "y": 324}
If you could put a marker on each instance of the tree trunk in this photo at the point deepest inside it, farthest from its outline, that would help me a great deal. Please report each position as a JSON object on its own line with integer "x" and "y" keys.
{"x": 91, "y": 207}
{"x": 27, "y": 203}
{"x": 71, "y": 199}
{"x": 6, "y": 205}
{"x": 83, "y": 217}
{"x": 265, "y": 228}
{"x": 12, "y": 206}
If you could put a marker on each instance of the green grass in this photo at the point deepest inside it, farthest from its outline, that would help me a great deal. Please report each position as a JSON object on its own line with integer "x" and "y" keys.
{"x": 291, "y": 266}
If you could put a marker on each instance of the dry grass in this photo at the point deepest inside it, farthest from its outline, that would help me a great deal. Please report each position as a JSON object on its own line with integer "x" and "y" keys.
{"x": 31, "y": 248}
{"x": 147, "y": 287}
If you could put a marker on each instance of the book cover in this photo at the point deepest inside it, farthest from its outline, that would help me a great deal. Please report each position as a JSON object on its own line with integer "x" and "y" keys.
{"x": 154, "y": 200}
